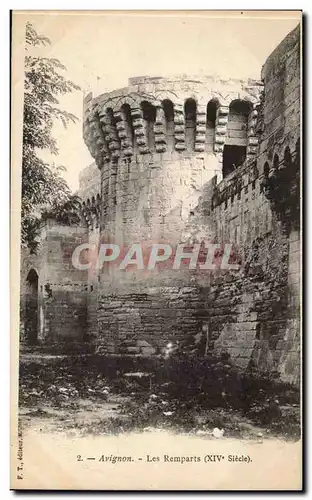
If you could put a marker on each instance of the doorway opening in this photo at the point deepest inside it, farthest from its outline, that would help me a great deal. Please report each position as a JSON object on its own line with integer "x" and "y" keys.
{"x": 31, "y": 308}
{"x": 233, "y": 157}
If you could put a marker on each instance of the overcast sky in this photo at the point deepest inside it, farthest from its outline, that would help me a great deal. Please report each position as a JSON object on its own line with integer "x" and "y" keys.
{"x": 102, "y": 50}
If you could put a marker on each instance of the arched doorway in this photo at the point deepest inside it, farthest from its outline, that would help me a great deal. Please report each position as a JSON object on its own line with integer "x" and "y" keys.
{"x": 31, "y": 308}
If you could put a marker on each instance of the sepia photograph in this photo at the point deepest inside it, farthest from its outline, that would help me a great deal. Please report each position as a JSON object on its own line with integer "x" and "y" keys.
{"x": 156, "y": 333}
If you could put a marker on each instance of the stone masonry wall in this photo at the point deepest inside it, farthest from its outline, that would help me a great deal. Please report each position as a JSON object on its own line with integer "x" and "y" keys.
{"x": 62, "y": 290}
{"x": 158, "y": 143}
{"x": 89, "y": 182}
{"x": 247, "y": 310}
{"x": 254, "y": 313}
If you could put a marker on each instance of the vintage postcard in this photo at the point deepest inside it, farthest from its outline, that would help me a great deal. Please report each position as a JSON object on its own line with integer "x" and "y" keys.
{"x": 156, "y": 250}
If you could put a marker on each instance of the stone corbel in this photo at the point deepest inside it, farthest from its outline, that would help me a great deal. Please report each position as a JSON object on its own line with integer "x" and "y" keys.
{"x": 179, "y": 127}
{"x": 139, "y": 130}
{"x": 221, "y": 128}
{"x": 110, "y": 134}
{"x": 94, "y": 139}
{"x": 160, "y": 130}
{"x": 252, "y": 139}
{"x": 200, "y": 134}
{"x": 123, "y": 133}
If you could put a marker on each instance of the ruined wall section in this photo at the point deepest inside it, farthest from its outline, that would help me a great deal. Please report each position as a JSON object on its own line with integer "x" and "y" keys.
{"x": 93, "y": 283}
{"x": 89, "y": 182}
{"x": 62, "y": 290}
{"x": 280, "y": 155}
{"x": 253, "y": 314}
{"x": 90, "y": 213}
{"x": 247, "y": 308}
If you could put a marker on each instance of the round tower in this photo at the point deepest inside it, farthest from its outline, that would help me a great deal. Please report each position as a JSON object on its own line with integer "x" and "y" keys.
{"x": 161, "y": 144}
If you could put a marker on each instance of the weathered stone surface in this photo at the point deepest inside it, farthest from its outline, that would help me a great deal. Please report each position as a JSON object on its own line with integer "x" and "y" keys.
{"x": 62, "y": 291}
{"x": 160, "y": 167}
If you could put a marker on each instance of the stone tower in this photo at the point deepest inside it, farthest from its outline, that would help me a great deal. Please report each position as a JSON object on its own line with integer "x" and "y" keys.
{"x": 177, "y": 161}
{"x": 161, "y": 144}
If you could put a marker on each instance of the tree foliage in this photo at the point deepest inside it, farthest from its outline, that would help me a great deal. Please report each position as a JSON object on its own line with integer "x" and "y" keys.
{"x": 44, "y": 189}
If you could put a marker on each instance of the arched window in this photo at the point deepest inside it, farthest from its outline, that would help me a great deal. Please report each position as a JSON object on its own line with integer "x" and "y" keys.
{"x": 287, "y": 157}
{"x": 266, "y": 170}
{"x": 32, "y": 277}
{"x": 212, "y": 113}
{"x": 276, "y": 162}
{"x": 238, "y": 122}
{"x": 149, "y": 116}
{"x": 211, "y": 116}
{"x": 239, "y": 107}
{"x": 234, "y": 152}
{"x": 110, "y": 117}
{"x": 190, "y": 123}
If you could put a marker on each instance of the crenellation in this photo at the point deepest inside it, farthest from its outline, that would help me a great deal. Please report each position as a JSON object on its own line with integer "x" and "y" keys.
{"x": 191, "y": 159}
{"x": 162, "y": 133}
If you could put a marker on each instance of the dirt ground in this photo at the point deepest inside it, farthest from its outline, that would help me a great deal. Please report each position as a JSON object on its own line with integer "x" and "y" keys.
{"x": 61, "y": 394}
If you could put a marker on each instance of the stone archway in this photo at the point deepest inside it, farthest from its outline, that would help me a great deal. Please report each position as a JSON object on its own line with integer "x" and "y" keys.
{"x": 31, "y": 308}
